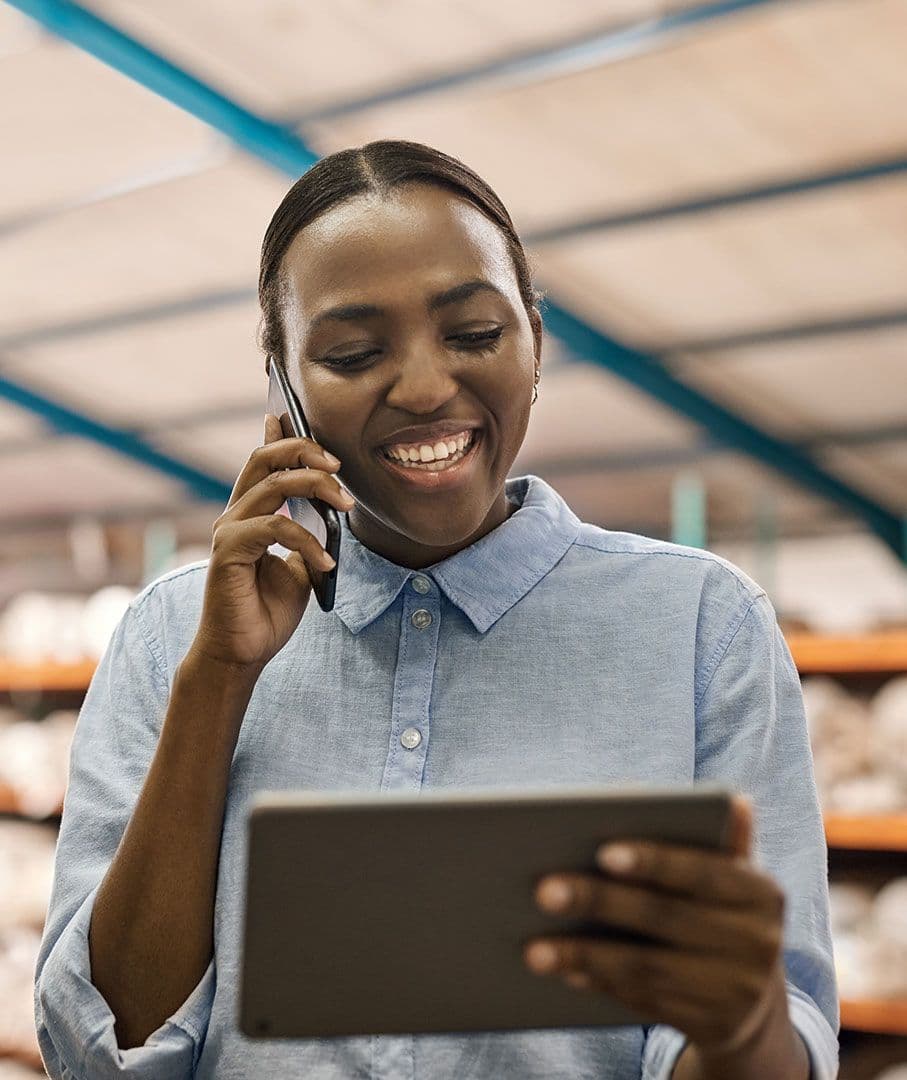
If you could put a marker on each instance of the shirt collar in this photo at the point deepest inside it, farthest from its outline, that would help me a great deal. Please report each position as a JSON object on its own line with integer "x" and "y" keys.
{"x": 483, "y": 580}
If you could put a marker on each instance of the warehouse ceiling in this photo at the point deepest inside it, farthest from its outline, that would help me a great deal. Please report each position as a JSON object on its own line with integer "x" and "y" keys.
{"x": 714, "y": 197}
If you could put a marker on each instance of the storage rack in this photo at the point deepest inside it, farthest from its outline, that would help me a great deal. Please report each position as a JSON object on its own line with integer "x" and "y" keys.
{"x": 874, "y": 654}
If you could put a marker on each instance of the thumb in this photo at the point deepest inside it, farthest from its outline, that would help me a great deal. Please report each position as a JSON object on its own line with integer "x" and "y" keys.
{"x": 741, "y": 826}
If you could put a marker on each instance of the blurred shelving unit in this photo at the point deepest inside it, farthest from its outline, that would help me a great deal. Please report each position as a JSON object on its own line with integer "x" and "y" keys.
{"x": 879, "y": 653}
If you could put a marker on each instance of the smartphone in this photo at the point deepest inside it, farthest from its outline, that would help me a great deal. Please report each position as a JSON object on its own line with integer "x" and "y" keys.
{"x": 319, "y": 517}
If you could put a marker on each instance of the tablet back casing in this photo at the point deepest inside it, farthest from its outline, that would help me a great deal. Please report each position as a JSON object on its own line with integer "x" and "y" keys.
{"x": 390, "y": 914}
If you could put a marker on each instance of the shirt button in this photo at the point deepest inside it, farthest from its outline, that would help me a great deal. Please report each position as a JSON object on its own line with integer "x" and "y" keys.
{"x": 421, "y": 584}
{"x": 421, "y": 619}
{"x": 411, "y": 738}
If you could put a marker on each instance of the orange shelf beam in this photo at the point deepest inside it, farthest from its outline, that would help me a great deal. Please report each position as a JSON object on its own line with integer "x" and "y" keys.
{"x": 45, "y": 676}
{"x": 878, "y": 1017}
{"x": 817, "y": 655}
{"x": 870, "y": 833}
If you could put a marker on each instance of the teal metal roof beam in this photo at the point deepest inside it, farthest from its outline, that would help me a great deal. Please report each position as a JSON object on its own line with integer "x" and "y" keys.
{"x": 156, "y": 311}
{"x": 274, "y": 143}
{"x": 649, "y": 375}
{"x": 671, "y": 457}
{"x": 71, "y": 422}
{"x": 533, "y": 65}
{"x": 878, "y": 170}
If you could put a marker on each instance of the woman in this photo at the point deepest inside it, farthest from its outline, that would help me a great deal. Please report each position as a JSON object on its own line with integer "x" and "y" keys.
{"x": 481, "y": 635}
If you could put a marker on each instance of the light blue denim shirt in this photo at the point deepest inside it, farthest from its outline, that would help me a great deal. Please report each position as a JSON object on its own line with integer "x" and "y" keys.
{"x": 557, "y": 653}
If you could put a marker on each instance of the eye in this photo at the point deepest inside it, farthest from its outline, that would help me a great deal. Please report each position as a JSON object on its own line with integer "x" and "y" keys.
{"x": 476, "y": 341}
{"x": 480, "y": 338}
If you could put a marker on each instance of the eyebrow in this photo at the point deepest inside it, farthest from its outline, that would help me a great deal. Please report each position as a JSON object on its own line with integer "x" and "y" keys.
{"x": 455, "y": 295}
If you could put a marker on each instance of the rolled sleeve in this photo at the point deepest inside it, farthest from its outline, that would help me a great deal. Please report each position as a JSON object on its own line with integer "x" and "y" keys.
{"x": 751, "y": 735}
{"x": 113, "y": 746}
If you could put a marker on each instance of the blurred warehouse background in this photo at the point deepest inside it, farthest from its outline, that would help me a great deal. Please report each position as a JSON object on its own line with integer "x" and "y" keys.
{"x": 714, "y": 198}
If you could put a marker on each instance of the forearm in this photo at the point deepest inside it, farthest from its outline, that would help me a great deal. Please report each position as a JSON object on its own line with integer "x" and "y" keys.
{"x": 152, "y": 929}
{"x": 775, "y": 1050}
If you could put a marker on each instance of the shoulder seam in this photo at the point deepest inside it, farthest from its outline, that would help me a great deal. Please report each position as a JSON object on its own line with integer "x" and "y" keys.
{"x": 138, "y": 608}
{"x": 723, "y": 646}
{"x": 716, "y": 560}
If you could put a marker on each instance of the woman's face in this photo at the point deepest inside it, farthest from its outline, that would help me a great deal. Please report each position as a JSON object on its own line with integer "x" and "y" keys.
{"x": 404, "y": 358}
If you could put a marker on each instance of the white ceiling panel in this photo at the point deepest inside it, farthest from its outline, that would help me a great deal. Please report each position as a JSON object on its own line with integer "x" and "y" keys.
{"x": 17, "y": 425}
{"x": 735, "y": 487}
{"x": 221, "y": 448}
{"x": 74, "y": 476}
{"x": 845, "y": 382}
{"x": 302, "y": 55}
{"x": 146, "y": 374}
{"x": 86, "y": 127}
{"x": 692, "y": 116}
{"x": 583, "y": 410}
{"x": 879, "y": 474}
{"x": 834, "y": 253}
{"x": 181, "y": 239}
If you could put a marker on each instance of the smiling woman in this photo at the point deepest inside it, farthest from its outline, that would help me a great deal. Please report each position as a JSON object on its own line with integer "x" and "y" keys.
{"x": 396, "y": 292}
{"x": 481, "y": 636}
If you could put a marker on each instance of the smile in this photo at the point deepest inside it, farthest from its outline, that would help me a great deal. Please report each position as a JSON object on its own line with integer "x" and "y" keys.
{"x": 436, "y": 466}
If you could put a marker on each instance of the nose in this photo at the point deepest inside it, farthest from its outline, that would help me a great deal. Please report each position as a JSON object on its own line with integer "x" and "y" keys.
{"x": 423, "y": 383}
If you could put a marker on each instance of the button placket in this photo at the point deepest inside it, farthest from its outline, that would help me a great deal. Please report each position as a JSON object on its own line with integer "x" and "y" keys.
{"x": 416, "y": 655}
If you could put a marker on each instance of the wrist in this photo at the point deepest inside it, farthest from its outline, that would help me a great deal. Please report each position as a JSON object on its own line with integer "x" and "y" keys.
{"x": 200, "y": 665}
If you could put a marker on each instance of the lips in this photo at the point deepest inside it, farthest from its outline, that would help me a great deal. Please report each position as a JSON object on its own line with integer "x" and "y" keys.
{"x": 441, "y": 480}
{"x": 428, "y": 434}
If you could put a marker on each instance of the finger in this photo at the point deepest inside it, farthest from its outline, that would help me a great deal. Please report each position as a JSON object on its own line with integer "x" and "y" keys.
{"x": 280, "y": 454}
{"x": 717, "y": 877}
{"x": 665, "y": 917}
{"x": 272, "y": 492}
{"x": 273, "y": 430}
{"x": 246, "y": 541}
{"x": 741, "y": 825}
{"x": 687, "y": 991}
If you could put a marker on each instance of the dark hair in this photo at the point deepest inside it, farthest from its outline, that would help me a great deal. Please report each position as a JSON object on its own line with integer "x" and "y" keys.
{"x": 376, "y": 167}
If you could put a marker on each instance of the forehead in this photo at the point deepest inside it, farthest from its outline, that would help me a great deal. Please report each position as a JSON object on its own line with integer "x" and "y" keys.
{"x": 418, "y": 239}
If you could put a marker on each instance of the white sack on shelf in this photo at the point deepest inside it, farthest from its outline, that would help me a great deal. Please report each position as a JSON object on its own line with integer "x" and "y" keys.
{"x": 100, "y": 616}
{"x": 889, "y": 913}
{"x": 34, "y": 761}
{"x": 39, "y": 626}
{"x": 888, "y": 738}
{"x": 872, "y": 794}
{"x": 18, "y": 956}
{"x": 26, "y": 873}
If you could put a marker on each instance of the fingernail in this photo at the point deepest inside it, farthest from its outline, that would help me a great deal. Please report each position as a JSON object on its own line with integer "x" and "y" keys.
{"x": 330, "y": 458}
{"x": 347, "y": 498}
{"x": 541, "y": 956}
{"x": 554, "y": 893}
{"x": 578, "y": 979}
{"x": 328, "y": 561}
{"x": 616, "y": 857}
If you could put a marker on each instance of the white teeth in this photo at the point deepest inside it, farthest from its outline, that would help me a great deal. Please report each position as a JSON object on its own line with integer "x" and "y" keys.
{"x": 427, "y": 453}
{"x": 440, "y": 457}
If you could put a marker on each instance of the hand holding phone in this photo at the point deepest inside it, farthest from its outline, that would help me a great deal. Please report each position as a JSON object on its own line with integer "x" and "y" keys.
{"x": 313, "y": 514}
{"x": 254, "y": 599}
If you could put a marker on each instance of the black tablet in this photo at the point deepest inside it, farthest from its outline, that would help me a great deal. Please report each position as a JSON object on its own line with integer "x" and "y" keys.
{"x": 404, "y": 913}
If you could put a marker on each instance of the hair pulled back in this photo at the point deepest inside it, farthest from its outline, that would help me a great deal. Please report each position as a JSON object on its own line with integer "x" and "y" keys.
{"x": 378, "y": 167}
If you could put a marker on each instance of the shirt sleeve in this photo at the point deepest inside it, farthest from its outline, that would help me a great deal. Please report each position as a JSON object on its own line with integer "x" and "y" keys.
{"x": 114, "y": 742}
{"x": 751, "y": 735}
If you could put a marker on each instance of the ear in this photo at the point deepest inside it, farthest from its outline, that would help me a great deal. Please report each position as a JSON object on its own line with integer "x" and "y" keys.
{"x": 535, "y": 321}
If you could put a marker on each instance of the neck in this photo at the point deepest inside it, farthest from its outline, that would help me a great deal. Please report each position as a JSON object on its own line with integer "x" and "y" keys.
{"x": 404, "y": 551}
